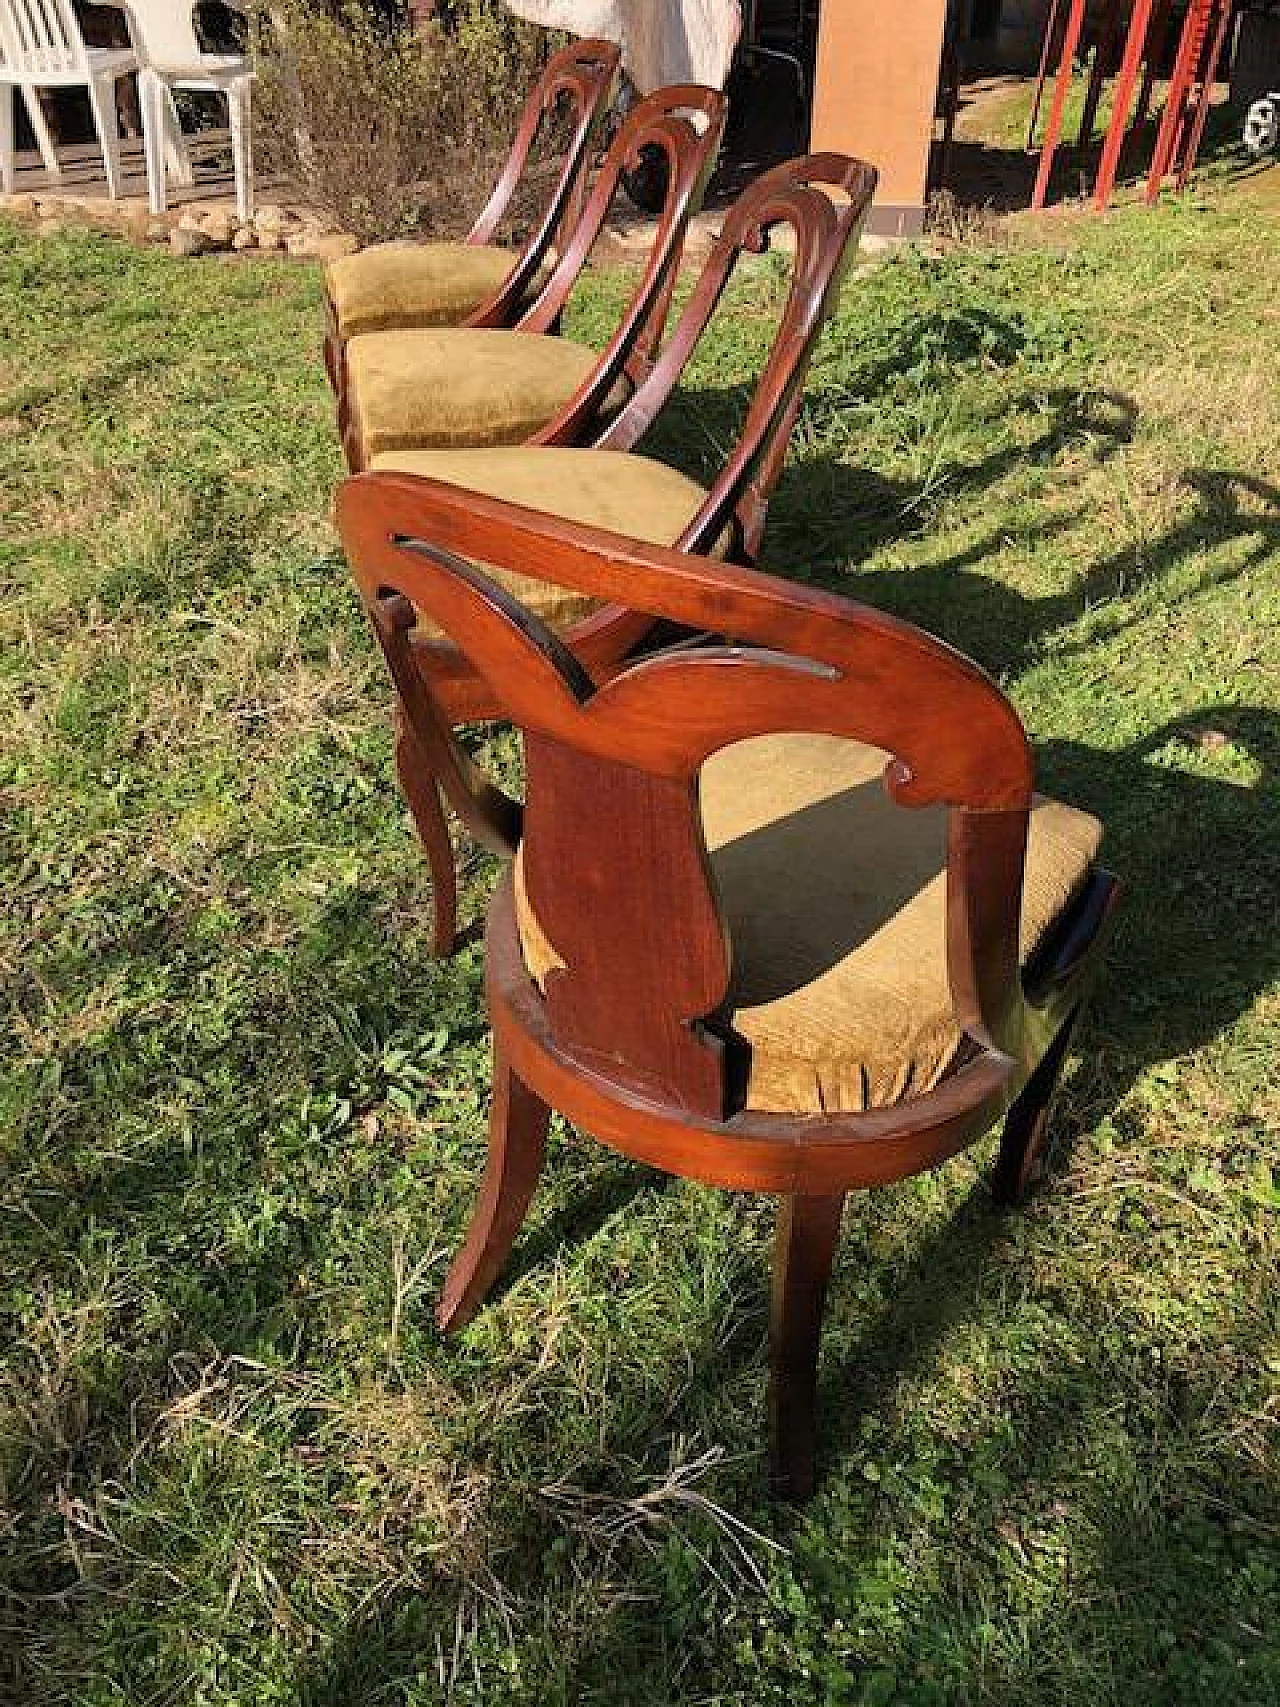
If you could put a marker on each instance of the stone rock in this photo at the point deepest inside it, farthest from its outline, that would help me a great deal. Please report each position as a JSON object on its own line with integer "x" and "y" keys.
{"x": 270, "y": 240}
{"x": 190, "y": 220}
{"x": 219, "y": 226}
{"x": 135, "y": 222}
{"x": 313, "y": 245}
{"x": 184, "y": 241}
{"x": 244, "y": 237}
{"x": 158, "y": 231}
{"x": 272, "y": 218}
{"x": 103, "y": 216}
{"x": 22, "y": 205}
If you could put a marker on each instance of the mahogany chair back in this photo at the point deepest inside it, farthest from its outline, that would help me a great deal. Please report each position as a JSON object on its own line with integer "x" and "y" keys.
{"x": 582, "y": 76}
{"x": 822, "y": 200}
{"x": 682, "y": 126}
{"x": 573, "y": 87}
{"x": 611, "y": 807}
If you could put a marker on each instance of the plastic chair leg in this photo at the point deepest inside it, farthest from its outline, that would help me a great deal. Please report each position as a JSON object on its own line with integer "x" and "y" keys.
{"x": 177, "y": 157}
{"x": 7, "y": 96}
{"x": 238, "y": 102}
{"x": 43, "y": 135}
{"x": 150, "y": 99}
{"x": 102, "y": 99}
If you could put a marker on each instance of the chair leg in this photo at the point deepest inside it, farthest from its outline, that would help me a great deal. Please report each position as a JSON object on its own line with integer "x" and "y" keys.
{"x": 238, "y": 98}
{"x": 517, "y": 1143}
{"x": 333, "y": 361}
{"x": 151, "y": 94}
{"x": 422, "y": 791}
{"x": 349, "y": 433}
{"x": 804, "y": 1249}
{"x": 177, "y": 156}
{"x": 41, "y": 131}
{"x": 8, "y": 94}
{"x": 106, "y": 121}
{"x": 1022, "y": 1144}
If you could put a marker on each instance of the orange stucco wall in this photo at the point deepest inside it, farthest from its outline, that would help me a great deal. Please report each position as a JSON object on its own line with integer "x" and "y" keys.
{"x": 877, "y": 75}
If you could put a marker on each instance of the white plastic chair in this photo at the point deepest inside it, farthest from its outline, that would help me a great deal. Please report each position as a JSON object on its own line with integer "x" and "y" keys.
{"x": 173, "y": 59}
{"x": 42, "y": 47}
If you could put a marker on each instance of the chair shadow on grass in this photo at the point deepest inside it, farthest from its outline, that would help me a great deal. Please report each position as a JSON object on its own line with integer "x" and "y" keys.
{"x": 830, "y": 515}
{"x": 1006, "y": 631}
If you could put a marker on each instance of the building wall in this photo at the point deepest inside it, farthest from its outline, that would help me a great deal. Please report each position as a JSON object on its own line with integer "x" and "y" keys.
{"x": 874, "y": 90}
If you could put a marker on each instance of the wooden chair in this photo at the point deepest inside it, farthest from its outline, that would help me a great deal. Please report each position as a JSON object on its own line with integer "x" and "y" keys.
{"x": 478, "y": 282}
{"x": 786, "y": 915}
{"x": 612, "y": 485}
{"x": 481, "y": 385}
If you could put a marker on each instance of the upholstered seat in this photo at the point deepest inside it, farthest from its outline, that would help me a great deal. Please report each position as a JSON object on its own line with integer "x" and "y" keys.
{"x": 461, "y": 387}
{"x": 628, "y": 494}
{"x": 413, "y": 284}
{"x": 835, "y": 899}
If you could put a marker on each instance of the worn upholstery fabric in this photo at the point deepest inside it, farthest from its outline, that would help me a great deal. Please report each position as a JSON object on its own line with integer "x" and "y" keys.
{"x": 835, "y": 900}
{"x": 461, "y": 386}
{"x": 628, "y": 494}
{"x": 413, "y": 284}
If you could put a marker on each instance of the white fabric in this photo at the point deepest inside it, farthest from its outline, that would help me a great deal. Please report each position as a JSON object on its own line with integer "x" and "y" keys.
{"x": 662, "y": 41}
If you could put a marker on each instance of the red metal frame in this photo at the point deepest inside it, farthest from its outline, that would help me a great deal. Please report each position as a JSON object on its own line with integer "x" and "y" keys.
{"x": 1205, "y": 30}
{"x": 1186, "y": 107}
{"x": 1103, "y": 54}
{"x": 1207, "y": 81}
{"x": 1134, "y": 51}
{"x": 1046, "y": 54}
{"x": 1053, "y": 131}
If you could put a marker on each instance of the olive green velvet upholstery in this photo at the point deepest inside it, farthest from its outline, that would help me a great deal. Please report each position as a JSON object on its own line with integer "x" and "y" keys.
{"x": 459, "y": 387}
{"x": 835, "y": 900}
{"x": 628, "y": 494}
{"x": 413, "y": 284}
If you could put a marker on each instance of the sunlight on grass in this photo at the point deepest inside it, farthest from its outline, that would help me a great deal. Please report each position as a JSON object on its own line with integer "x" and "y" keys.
{"x": 243, "y": 1108}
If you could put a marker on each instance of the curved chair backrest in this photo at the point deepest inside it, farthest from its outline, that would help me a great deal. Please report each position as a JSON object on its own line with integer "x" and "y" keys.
{"x": 575, "y": 83}
{"x": 583, "y": 75}
{"x": 41, "y": 37}
{"x": 683, "y": 124}
{"x": 165, "y": 31}
{"x": 611, "y": 812}
{"x": 825, "y": 232}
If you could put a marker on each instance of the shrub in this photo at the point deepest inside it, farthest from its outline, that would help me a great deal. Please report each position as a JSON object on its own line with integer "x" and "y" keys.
{"x": 386, "y": 128}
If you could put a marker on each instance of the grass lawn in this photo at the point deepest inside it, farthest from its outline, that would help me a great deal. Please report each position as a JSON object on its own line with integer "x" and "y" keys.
{"x": 242, "y": 1109}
